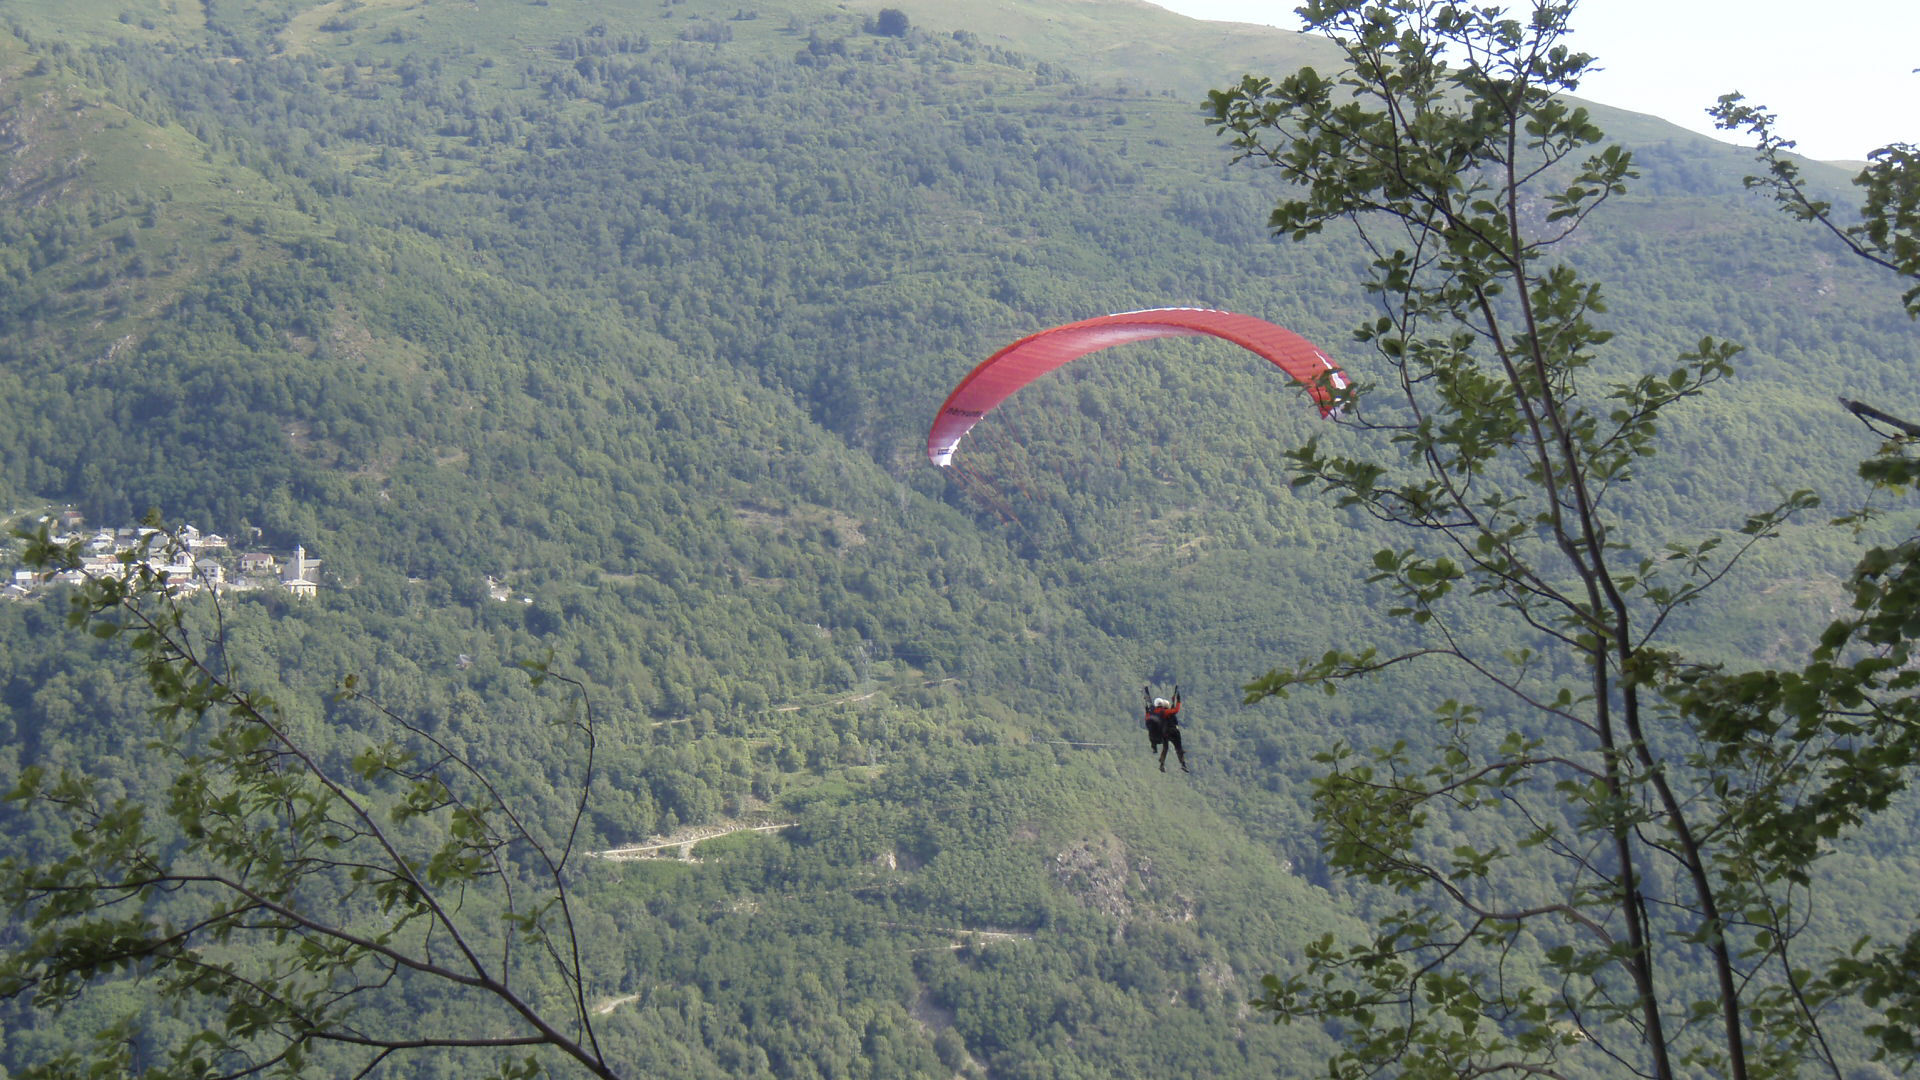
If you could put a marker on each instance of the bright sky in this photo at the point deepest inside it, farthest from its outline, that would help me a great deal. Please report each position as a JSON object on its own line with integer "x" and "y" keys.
{"x": 1838, "y": 74}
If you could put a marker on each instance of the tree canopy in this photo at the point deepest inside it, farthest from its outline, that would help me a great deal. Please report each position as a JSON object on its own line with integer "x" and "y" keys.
{"x": 606, "y": 337}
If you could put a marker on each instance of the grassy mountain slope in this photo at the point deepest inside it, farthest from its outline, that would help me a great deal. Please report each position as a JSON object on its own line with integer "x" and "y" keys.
{"x": 642, "y": 311}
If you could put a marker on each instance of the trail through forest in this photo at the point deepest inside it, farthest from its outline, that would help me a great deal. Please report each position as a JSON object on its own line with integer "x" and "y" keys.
{"x": 684, "y": 839}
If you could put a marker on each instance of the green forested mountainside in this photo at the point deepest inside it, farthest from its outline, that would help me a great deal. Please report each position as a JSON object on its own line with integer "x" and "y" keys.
{"x": 643, "y": 310}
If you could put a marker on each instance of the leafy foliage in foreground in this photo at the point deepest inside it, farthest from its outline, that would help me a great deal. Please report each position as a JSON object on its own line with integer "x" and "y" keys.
{"x": 1629, "y": 830}
{"x": 305, "y": 900}
{"x": 1887, "y": 230}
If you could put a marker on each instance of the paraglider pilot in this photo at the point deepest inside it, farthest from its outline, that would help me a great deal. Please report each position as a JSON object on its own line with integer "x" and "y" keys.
{"x": 1163, "y": 726}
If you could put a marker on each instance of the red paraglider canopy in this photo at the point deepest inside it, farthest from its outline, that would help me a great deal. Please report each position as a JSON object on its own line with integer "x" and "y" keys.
{"x": 1003, "y": 373}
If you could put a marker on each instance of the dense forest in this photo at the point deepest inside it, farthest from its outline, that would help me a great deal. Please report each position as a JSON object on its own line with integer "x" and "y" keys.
{"x": 642, "y": 310}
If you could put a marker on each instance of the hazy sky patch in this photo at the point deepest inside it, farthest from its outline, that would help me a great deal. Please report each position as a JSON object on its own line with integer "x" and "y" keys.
{"x": 1839, "y": 74}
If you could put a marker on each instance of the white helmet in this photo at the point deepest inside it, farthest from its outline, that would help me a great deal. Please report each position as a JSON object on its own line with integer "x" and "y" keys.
{"x": 1162, "y": 703}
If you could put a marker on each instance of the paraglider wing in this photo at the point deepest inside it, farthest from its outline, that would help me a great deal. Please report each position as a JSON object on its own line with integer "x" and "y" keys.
{"x": 1003, "y": 373}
